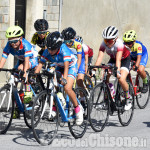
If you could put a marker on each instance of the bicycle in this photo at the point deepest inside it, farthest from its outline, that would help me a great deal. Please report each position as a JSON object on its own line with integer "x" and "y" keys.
{"x": 142, "y": 99}
{"x": 46, "y": 128}
{"x": 102, "y": 103}
{"x": 9, "y": 96}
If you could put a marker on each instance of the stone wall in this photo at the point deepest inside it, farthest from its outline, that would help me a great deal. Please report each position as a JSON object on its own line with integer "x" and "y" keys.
{"x": 52, "y": 13}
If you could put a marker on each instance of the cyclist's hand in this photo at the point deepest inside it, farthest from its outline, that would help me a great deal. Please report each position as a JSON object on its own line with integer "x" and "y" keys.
{"x": 118, "y": 74}
{"x": 135, "y": 68}
{"x": 92, "y": 73}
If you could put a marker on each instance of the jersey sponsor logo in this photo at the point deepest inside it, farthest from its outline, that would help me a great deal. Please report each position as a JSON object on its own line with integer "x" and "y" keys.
{"x": 78, "y": 46}
{"x": 139, "y": 48}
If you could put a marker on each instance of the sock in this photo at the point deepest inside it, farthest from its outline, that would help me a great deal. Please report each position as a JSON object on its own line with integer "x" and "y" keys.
{"x": 145, "y": 80}
{"x": 126, "y": 93}
{"x": 77, "y": 109}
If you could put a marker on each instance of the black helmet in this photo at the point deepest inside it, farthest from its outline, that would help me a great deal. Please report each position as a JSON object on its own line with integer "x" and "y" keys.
{"x": 68, "y": 33}
{"x": 41, "y": 25}
{"x": 54, "y": 40}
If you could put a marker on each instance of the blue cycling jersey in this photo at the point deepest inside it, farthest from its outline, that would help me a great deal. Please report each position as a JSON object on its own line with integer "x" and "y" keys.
{"x": 64, "y": 54}
{"x": 25, "y": 50}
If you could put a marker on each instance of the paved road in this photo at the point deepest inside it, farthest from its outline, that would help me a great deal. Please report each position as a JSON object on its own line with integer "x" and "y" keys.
{"x": 136, "y": 136}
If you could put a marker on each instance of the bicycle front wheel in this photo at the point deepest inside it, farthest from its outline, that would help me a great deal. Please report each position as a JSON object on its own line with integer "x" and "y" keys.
{"x": 99, "y": 107}
{"x": 142, "y": 99}
{"x": 6, "y": 108}
{"x": 78, "y": 131}
{"x": 37, "y": 88}
{"x": 125, "y": 116}
{"x": 44, "y": 128}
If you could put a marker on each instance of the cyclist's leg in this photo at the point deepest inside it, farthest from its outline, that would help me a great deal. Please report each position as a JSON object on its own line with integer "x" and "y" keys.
{"x": 72, "y": 72}
{"x": 142, "y": 73}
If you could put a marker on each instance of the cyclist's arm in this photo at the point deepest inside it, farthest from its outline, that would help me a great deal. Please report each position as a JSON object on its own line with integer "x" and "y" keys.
{"x": 2, "y": 62}
{"x": 39, "y": 67}
{"x": 26, "y": 65}
{"x": 79, "y": 60}
{"x": 99, "y": 58}
{"x": 118, "y": 59}
{"x": 138, "y": 60}
{"x": 66, "y": 66}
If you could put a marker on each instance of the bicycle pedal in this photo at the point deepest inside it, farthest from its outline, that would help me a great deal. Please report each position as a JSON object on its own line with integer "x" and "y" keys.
{"x": 119, "y": 107}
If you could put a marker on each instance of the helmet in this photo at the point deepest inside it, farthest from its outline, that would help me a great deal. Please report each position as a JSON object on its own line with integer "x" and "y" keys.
{"x": 68, "y": 33}
{"x": 129, "y": 36}
{"x": 14, "y": 31}
{"x": 54, "y": 40}
{"x": 79, "y": 38}
{"x": 41, "y": 25}
{"x": 110, "y": 32}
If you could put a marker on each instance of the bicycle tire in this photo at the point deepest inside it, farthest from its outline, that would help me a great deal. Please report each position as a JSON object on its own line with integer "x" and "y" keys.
{"x": 28, "y": 112}
{"x": 5, "y": 122}
{"x": 142, "y": 102}
{"x": 78, "y": 131}
{"x": 125, "y": 116}
{"x": 96, "y": 99}
{"x": 41, "y": 124}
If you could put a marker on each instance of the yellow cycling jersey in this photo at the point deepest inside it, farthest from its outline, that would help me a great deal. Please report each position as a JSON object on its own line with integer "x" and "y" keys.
{"x": 136, "y": 50}
{"x": 40, "y": 42}
{"x": 76, "y": 48}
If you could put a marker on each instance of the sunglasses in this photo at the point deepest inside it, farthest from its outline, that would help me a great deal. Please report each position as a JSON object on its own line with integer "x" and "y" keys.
{"x": 68, "y": 41}
{"x": 13, "y": 41}
{"x": 41, "y": 32}
{"x": 109, "y": 41}
{"x": 128, "y": 43}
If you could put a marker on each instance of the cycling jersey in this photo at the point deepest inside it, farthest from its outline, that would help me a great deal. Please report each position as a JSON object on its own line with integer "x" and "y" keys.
{"x": 85, "y": 48}
{"x": 25, "y": 50}
{"x": 139, "y": 49}
{"x": 76, "y": 48}
{"x": 37, "y": 40}
{"x": 63, "y": 55}
{"x": 118, "y": 46}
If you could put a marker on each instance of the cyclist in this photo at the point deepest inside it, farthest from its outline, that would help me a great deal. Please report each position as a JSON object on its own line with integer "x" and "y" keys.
{"x": 85, "y": 49}
{"x": 76, "y": 47}
{"x": 119, "y": 55}
{"x": 23, "y": 51}
{"x": 66, "y": 62}
{"x": 139, "y": 54}
{"x": 41, "y": 27}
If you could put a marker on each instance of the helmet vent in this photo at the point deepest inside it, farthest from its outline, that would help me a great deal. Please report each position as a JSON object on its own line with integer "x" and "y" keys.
{"x": 18, "y": 32}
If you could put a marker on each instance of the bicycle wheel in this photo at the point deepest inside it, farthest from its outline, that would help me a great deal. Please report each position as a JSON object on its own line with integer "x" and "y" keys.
{"x": 99, "y": 107}
{"x": 6, "y": 108}
{"x": 142, "y": 99}
{"x": 28, "y": 107}
{"x": 125, "y": 116}
{"x": 44, "y": 129}
{"x": 78, "y": 131}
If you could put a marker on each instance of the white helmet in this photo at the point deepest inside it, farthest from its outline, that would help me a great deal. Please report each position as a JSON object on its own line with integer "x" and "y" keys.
{"x": 110, "y": 32}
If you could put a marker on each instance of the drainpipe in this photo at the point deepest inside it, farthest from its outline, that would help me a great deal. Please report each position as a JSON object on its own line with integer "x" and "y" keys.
{"x": 60, "y": 14}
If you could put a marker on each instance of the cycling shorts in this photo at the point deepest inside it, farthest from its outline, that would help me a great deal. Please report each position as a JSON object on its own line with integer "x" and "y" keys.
{"x": 144, "y": 59}
{"x": 72, "y": 72}
{"x": 81, "y": 69}
{"x": 125, "y": 63}
{"x": 32, "y": 62}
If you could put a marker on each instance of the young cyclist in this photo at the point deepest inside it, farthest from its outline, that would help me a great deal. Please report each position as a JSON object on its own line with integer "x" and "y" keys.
{"x": 41, "y": 27}
{"x": 119, "y": 55}
{"x": 76, "y": 47}
{"x": 139, "y": 54}
{"x": 23, "y": 50}
{"x": 66, "y": 62}
{"x": 85, "y": 49}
